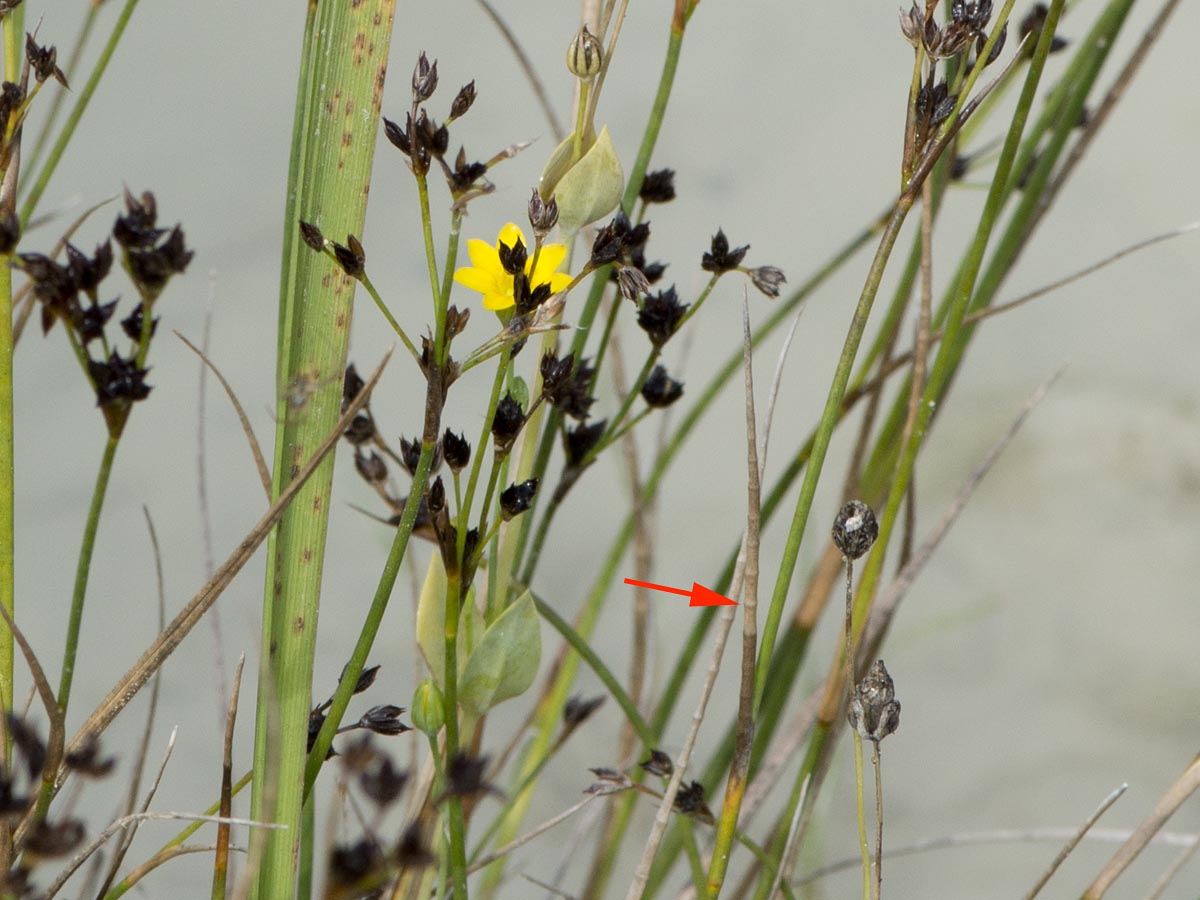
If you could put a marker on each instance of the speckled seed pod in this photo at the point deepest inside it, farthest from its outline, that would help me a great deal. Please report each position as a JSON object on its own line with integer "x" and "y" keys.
{"x": 874, "y": 711}
{"x": 585, "y": 56}
{"x": 855, "y": 529}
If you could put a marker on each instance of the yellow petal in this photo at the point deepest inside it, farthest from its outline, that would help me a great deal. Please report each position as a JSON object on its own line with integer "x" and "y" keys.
{"x": 559, "y": 281}
{"x": 509, "y": 235}
{"x": 476, "y": 280}
{"x": 497, "y": 301}
{"x": 548, "y": 260}
{"x": 483, "y": 255}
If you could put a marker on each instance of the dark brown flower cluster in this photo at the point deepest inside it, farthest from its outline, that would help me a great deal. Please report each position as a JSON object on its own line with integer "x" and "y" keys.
{"x": 383, "y": 719}
{"x": 70, "y": 292}
{"x": 423, "y": 140}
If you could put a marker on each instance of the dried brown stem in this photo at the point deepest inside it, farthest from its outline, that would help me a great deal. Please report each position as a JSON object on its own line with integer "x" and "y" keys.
{"x": 260, "y": 462}
{"x": 1184, "y": 787}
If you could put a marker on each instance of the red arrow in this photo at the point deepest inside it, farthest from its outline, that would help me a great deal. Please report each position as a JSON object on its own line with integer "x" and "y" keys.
{"x": 700, "y": 595}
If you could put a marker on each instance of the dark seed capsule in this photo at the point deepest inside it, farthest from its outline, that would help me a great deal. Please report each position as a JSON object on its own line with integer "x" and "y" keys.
{"x": 659, "y": 764}
{"x": 874, "y": 711}
{"x": 855, "y": 529}
{"x": 456, "y": 449}
{"x": 517, "y": 498}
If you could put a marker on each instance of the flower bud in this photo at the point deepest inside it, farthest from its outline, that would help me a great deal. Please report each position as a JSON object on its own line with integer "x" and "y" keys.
{"x": 585, "y": 56}
{"x": 427, "y": 713}
{"x": 543, "y": 214}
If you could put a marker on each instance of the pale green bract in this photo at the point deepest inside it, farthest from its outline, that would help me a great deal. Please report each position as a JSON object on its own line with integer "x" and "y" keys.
{"x": 431, "y": 623}
{"x": 587, "y": 190}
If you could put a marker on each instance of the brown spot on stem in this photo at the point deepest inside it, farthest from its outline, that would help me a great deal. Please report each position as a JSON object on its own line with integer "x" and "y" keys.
{"x": 298, "y": 625}
{"x": 347, "y": 138}
{"x": 327, "y": 280}
{"x": 317, "y": 502}
{"x": 339, "y": 321}
{"x": 306, "y": 555}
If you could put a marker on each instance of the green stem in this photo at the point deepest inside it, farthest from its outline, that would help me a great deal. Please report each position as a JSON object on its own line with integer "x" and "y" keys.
{"x": 860, "y": 807}
{"x": 82, "y": 569}
{"x": 458, "y": 842}
{"x": 332, "y": 156}
{"x": 13, "y": 31}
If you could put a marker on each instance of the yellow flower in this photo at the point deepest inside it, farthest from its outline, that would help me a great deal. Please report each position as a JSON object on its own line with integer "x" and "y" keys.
{"x": 487, "y": 275}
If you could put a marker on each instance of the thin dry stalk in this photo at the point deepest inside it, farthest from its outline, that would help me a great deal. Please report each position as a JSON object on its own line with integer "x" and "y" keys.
{"x": 1102, "y": 111}
{"x": 1002, "y": 836}
{"x": 57, "y": 729}
{"x": 789, "y": 845}
{"x": 205, "y": 511}
{"x": 260, "y": 462}
{"x": 526, "y": 64}
{"x": 1074, "y": 841}
{"x": 541, "y": 829}
{"x": 744, "y": 742}
{"x": 662, "y": 817}
{"x": 898, "y": 362}
{"x": 127, "y": 833}
{"x": 1172, "y": 870}
{"x": 1183, "y": 788}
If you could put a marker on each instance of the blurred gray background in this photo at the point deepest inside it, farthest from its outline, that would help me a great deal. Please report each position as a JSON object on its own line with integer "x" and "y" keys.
{"x": 1046, "y": 655}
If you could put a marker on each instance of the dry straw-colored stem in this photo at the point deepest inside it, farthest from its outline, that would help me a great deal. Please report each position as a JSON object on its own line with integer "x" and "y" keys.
{"x": 1184, "y": 787}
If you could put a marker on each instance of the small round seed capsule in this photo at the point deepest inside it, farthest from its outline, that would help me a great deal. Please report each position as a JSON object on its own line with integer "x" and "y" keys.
{"x": 585, "y": 56}
{"x": 855, "y": 529}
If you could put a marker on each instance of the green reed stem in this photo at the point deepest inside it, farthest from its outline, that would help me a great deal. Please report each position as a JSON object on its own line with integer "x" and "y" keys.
{"x": 947, "y": 356}
{"x": 331, "y": 160}
{"x": 861, "y": 810}
{"x": 76, "y": 114}
{"x": 83, "y": 568}
{"x": 13, "y": 33}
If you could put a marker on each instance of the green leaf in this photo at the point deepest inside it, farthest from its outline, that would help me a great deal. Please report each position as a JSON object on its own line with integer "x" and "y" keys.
{"x": 506, "y": 661}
